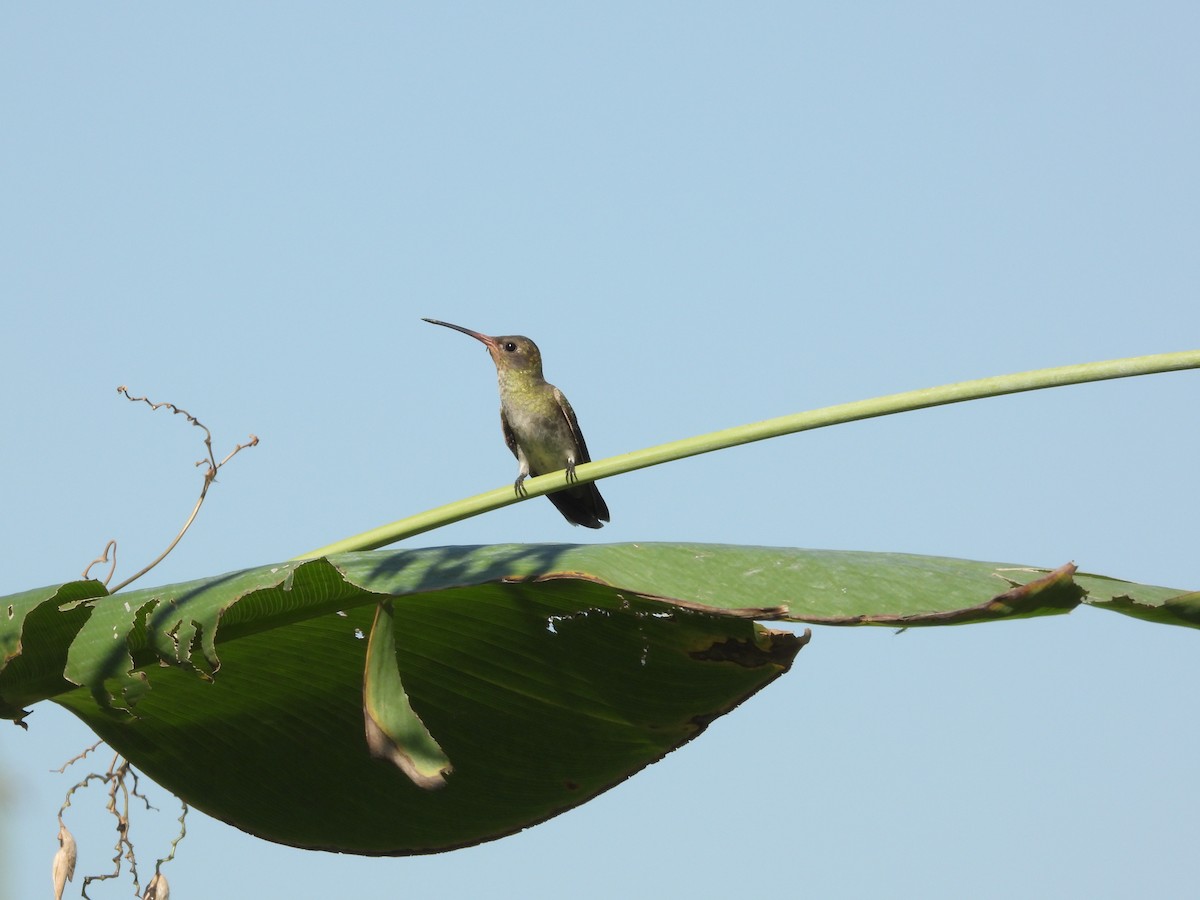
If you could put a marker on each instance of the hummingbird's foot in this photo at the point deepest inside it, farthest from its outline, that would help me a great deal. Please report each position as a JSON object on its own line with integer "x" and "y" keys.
{"x": 571, "y": 476}
{"x": 519, "y": 488}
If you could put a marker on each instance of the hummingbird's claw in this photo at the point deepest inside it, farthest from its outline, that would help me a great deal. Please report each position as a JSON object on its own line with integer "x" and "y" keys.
{"x": 519, "y": 488}
{"x": 571, "y": 476}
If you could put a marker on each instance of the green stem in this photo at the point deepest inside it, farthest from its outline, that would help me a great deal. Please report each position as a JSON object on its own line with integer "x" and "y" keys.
{"x": 745, "y": 434}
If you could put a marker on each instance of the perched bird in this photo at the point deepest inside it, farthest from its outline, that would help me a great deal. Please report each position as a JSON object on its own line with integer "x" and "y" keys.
{"x": 539, "y": 425}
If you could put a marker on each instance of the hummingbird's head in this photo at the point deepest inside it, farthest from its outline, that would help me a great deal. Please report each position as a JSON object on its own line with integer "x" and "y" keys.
{"x": 512, "y": 353}
{"x": 515, "y": 353}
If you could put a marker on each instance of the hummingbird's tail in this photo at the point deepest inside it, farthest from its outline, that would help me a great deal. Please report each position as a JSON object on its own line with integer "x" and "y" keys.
{"x": 581, "y": 505}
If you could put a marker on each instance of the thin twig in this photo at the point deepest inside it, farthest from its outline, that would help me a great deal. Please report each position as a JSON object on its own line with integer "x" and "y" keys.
{"x": 115, "y": 778}
{"x": 123, "y": 785}
{"x": 88, "y": 779}
{"x": 107, "y": 777}
{"x": 70, "y": 762}
{"x": 175, "y": 410}
{"x": 210, "y": 475}
{"x": 175, "y": 843}
{"x": 103, "y": 558}
{"x": 136, "y": 790}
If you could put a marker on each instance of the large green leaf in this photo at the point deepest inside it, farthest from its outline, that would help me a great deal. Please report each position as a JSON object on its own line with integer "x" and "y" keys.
{"x": 1166, "y": 606}
{"x": 34, "y": 636}
{"x": 545, "y": 673}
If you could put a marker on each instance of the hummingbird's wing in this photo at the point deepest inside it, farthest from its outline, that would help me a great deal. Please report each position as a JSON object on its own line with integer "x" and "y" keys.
{"x": 569, "y": 415}
{"x": 583, "y": 505}
{"x": 509, "y": 438}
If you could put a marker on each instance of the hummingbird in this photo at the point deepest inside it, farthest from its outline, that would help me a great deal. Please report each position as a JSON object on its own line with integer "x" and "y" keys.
{"x": 539, "y": 425}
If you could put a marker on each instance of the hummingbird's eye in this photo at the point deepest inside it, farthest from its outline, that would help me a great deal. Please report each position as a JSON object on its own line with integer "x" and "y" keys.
{"x": 510, "y": 346}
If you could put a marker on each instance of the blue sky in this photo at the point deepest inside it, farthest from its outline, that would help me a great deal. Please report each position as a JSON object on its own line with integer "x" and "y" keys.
{"x": 705, "y": 214}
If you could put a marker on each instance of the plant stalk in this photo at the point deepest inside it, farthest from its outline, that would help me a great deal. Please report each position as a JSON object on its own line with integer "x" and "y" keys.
{"x": 960, "y": 392}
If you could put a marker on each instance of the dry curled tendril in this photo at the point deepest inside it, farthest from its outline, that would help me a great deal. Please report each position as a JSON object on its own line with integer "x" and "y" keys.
{"x": 211, "y": 467}
{"x": 122, "y": 782}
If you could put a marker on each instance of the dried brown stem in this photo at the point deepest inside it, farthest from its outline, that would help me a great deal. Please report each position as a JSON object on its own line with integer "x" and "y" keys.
{"x": 123, "y": 785}
{"x": 210, "y": 475}
{"x": 103, "y": 558}
{"x": 74, "y": 759}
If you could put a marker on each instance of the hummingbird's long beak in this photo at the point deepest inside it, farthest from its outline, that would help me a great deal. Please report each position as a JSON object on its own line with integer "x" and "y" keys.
{"x": 489, "y": 342}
